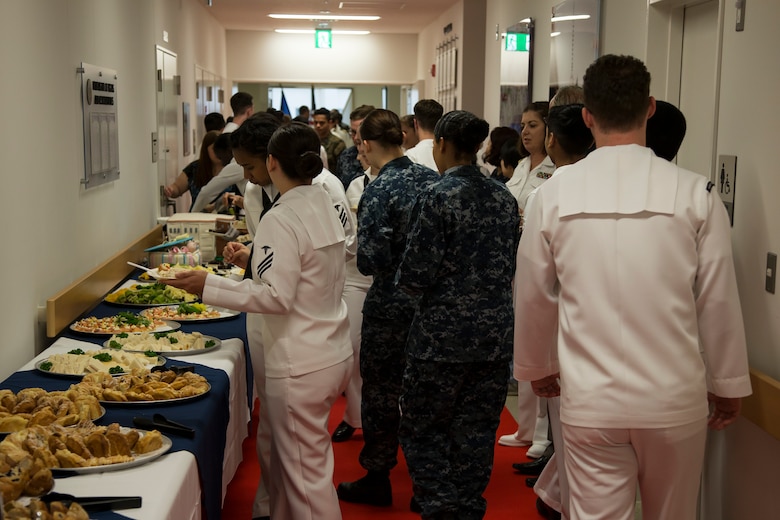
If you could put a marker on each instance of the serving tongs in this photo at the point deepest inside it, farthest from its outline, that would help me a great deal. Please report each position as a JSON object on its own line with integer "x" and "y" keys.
{"x": 176, "y": 369}
{"x": 94, "y": 504}
{"x": 163, "y": 424}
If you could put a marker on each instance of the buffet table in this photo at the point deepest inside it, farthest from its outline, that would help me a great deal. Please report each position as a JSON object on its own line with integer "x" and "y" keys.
{"x": 188, "y": 482}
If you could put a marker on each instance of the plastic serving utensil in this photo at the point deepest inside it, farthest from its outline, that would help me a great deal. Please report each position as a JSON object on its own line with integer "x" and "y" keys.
{"x": 154, "y": 273}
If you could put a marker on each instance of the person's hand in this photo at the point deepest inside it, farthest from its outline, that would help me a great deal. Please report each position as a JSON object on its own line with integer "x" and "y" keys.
{"x": 191, "y": 281}
{"x": 236, "y": 254}
{"x": 237, "y": 201}
{"x": 547, "y": 386}
{"x": 169, "y": 191}
{"x": 724, "y": 410}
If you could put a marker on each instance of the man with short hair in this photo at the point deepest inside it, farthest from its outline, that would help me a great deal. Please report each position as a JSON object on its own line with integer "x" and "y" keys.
{"x": 214, "y": 121}
{"x": 625, "y": 287}
{"x": 332, "y": 144}
{"x": 427, "y": 113}
{"x": 349, "y": 166}
{"x": 303, "y": 115}
{"x": 410, "y": 134}
{"x": 243, "y": 107}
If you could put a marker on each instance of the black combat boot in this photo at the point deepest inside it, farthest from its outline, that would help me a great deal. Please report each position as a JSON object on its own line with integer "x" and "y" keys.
{"x": 374, "y": 489}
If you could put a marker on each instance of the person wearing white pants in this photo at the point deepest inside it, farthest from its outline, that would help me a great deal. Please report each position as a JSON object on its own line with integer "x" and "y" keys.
{"x": 298, "y": 273}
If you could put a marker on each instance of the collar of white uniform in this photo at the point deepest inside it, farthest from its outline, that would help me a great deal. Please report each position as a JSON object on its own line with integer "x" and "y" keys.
{"x": 625, "y": 179}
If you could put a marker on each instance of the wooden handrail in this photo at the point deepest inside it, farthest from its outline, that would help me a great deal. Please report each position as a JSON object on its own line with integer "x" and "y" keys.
{"x": 763, "y": 406}
{"x": 83, "y": 294}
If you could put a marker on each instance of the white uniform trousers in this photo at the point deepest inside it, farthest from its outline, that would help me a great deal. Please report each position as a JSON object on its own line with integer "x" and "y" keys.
{"x": 354, "y": 297}
{"x": 532, "y": 425}
{"x": 605, "y": 465}
{"x": 553, "y": 484}
{"x": 301, "y": 450}
{"x": 261, "y": 505}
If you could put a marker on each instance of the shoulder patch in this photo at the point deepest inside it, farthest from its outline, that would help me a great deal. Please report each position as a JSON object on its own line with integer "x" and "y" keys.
{"x": 710, "y": 184}
{"x": 543, "y": 175}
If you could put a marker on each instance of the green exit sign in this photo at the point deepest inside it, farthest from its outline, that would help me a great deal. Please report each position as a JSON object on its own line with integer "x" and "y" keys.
{"x": 517, "y": 42}
{"x": 323, "y": 39}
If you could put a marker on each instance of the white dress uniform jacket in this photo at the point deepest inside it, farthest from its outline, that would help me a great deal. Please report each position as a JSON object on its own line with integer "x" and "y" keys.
{"x": 422, "y": 153}
{"x": 624, "y": 271}
{"x": 298, "y": 278}
{"x": 525, "y": 180}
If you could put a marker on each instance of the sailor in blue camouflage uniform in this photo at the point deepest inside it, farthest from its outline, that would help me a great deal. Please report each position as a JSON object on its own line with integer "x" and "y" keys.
{"x": 349, "y": 166}
{"x": 384, "y": 216}
{"x": 460, "y": 257}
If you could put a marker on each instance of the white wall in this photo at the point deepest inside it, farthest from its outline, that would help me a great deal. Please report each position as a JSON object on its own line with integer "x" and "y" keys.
{"x": 385, "y": 59}
{"x": 54, "y": 231}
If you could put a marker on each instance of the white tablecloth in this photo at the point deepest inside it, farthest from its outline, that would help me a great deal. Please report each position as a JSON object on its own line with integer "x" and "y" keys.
{"x": 169, "y": 485}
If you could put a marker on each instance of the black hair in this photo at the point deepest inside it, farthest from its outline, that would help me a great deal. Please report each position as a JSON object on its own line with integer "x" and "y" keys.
{"x": 498, "y": 137}
{"x": 254, "y": 134}
{"x": 617, "y": 92}
{"x": 427, "y": 113}
{"x": 297, "y": 148}
{"x": 566, "y": 123}
{"x": 205, "y": 170}
{"x": 214, "y": 121}
{"x": 322, "y": 112}
{"x": 240, "y": 102}
{"x": 510, "y": 154}
{"x": 463, "y": 129}
{"x": 666, "y": 130}
{"x": 223, "y": 149}
{"x": 383, "y": 126}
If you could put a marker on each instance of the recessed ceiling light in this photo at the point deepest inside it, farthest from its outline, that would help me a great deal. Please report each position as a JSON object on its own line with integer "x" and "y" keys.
{"x": 322, "y": 16}
{"x": 570, "y": 17}
{"x": 311, "y": 31}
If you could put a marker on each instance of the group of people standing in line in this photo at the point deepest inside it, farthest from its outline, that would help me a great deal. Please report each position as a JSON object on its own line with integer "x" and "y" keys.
{"x": 412, "y": 291}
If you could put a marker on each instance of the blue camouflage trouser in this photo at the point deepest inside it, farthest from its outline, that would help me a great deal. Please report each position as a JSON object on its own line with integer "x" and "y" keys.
{"x": 382, "y": 361}
{"x": 450, "y": 414}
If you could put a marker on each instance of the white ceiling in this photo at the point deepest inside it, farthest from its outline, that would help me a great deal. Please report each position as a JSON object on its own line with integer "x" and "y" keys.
{"x": 397, "y": 16}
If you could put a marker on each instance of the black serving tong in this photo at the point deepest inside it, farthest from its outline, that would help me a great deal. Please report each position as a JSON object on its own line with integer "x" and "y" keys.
{"x": 163, "y": 424}
{"x": 176, "y": 369}
{"x": 94, "y": 504}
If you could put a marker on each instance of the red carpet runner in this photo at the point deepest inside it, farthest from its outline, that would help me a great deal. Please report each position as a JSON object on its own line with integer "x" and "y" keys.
{"x": 507, "y": 495}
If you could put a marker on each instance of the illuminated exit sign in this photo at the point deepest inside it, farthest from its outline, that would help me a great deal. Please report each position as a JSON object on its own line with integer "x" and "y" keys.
{"x": 517, "y": 42}
{"x": 323, "y": 39}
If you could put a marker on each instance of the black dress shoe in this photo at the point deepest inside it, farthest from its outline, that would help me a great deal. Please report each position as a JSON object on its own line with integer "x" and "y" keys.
{"x": 534, "y": 467}
{"x": 374, "y": 489}
{"x": 343, "y": 432}
{"x": 546, "y": 511}
{"x": 531, "y": 482}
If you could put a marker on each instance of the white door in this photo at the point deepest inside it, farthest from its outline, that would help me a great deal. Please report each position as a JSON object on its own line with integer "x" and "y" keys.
{"x": 168, "y": 130}
{"x": 698, "y": 79}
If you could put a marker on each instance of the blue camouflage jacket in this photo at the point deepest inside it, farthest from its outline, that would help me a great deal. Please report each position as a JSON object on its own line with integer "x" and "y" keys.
{"x": 384, "y": 214}
{"x": 461, "y": 257}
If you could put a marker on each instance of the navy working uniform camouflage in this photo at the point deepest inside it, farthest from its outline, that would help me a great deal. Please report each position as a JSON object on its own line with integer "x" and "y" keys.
{"x": 384, "y": 214}
{"x": 349, "y": 166}
{"x": 460, "y": 257}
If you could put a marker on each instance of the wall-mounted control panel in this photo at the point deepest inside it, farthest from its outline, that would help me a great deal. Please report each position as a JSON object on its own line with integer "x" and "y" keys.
{"x": 99, "y": 123}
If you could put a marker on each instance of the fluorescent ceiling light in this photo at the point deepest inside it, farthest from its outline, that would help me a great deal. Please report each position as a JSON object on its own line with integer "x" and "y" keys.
{"x": 311, "y": 31}
{"x": 323, "y": 16}
{"x": 570, "y": 17}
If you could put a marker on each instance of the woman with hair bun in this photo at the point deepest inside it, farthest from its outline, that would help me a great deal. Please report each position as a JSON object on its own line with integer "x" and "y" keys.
{"x": 297, "y": 280}
{"x": 384, "y": 214}
{"x": 460, "y": 260}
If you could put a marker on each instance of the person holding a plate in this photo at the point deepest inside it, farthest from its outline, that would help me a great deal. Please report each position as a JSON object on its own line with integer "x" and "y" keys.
{"x": 297, "y": 281}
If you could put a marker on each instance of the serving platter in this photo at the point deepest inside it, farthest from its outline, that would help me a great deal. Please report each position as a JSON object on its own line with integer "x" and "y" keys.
{"x": 164, "y": 326}
{"x": 155, "y": 361}
{"x": 211, "y": 344}
{"x": 139, "y": 460}
{"x": 179, "y": 313}
{"x": 157, "y": 402}
{"x": 148, "y": 294}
